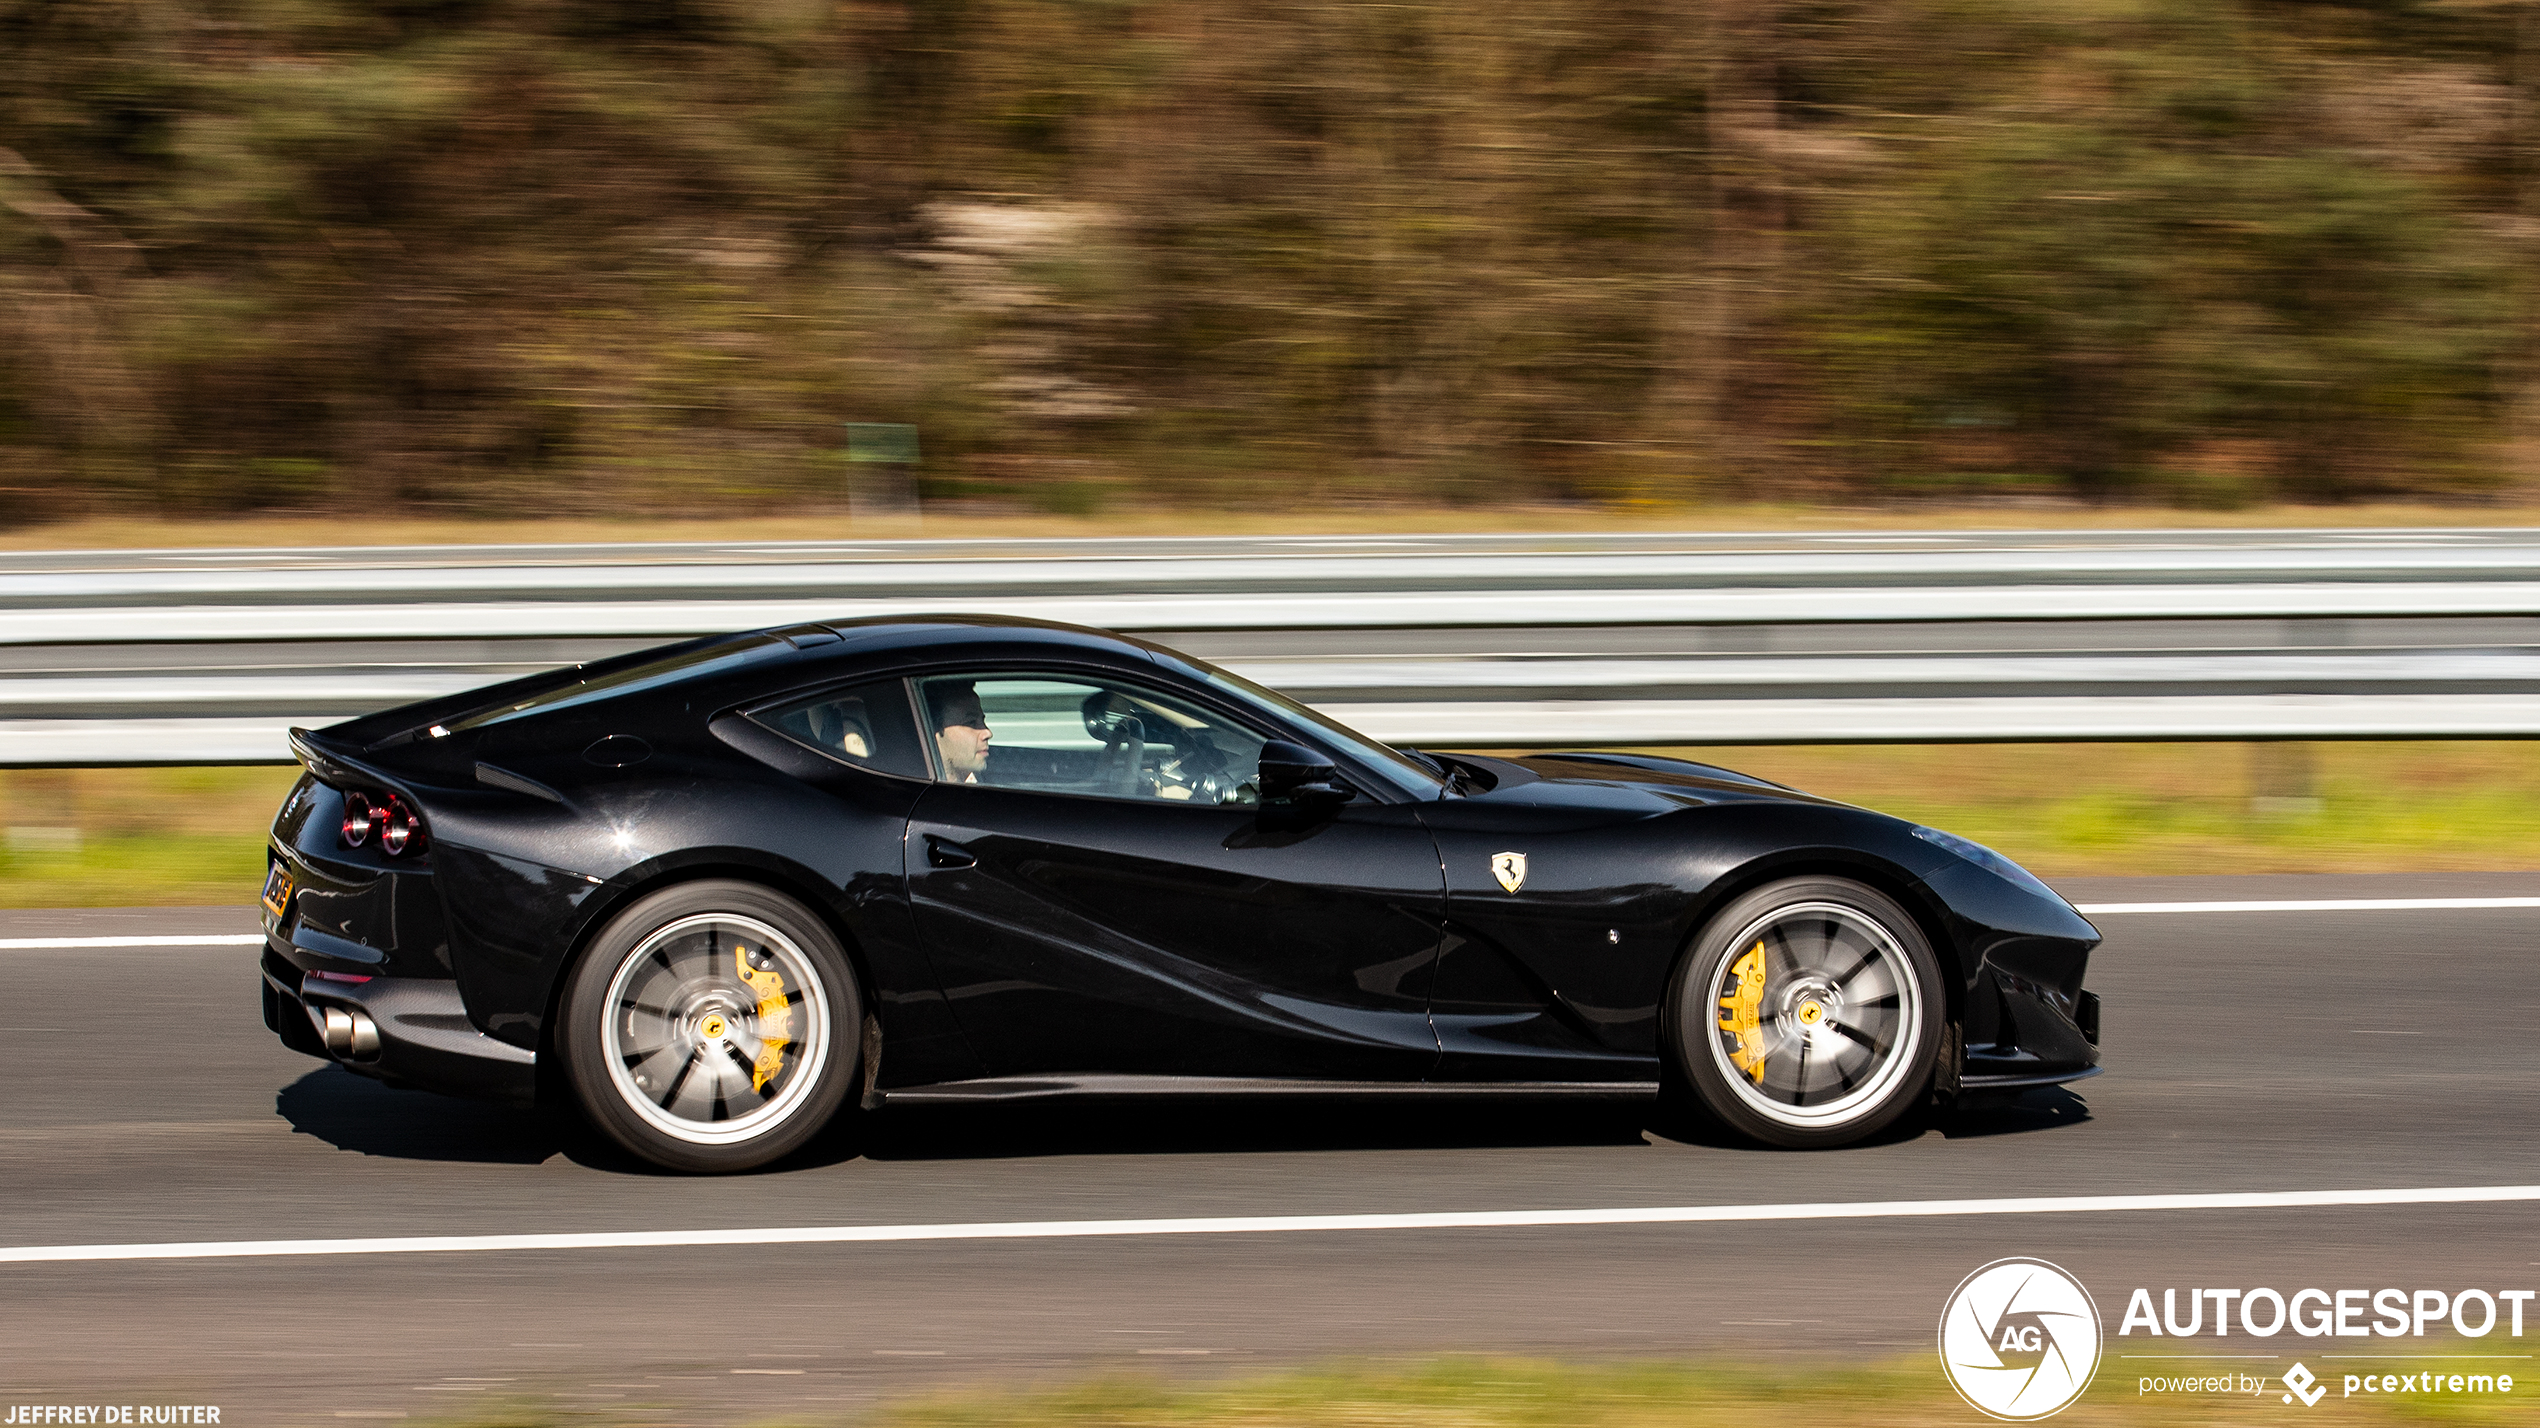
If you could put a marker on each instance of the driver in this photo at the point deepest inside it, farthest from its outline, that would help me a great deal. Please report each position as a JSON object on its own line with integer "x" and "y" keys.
{"x": 961, "y": 730}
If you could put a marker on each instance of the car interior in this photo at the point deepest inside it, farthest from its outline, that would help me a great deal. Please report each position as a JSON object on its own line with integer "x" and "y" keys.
{"x": 1072, "y": 736}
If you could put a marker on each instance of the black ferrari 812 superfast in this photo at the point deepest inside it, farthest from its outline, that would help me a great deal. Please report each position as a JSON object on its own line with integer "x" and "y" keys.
{"x": 713, "y": 893}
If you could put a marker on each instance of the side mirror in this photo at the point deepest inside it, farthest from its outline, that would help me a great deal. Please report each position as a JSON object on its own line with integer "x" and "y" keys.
{"x": 1293, "y": 773}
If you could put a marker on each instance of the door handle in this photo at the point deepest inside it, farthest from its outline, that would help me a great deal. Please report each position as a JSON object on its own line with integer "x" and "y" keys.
{"x": 945, "y": 853}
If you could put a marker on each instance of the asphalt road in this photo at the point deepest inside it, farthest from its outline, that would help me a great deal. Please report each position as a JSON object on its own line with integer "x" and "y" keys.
{"x": 2246, "y": 1051}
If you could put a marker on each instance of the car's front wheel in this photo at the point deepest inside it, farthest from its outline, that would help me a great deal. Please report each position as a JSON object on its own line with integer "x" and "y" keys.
{"x": 1809, "y": 1013}
{"x": 711, "y": 1026}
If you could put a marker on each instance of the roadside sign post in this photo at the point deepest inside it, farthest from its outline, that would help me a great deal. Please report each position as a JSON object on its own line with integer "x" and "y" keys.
{"x": 881, "y": 470}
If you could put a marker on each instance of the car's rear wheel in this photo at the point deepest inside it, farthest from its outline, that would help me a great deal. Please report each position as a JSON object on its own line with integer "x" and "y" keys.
{"x": 711, "y": 1026}
{"x": 1809, "y": 1013}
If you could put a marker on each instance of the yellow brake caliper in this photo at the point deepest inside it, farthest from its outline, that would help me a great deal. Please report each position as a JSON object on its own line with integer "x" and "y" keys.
{"x": 775, "y": 1018}
{"x": 1741, "y": 1013}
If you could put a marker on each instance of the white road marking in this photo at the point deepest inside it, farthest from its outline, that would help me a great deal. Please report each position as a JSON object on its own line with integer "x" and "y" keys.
{"x": 60, "y": 944}
{"x": 1279, "y": 1224}
{"x": 2346, "y": 904}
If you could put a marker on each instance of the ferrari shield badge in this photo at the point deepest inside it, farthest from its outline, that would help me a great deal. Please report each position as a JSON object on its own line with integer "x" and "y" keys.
{"x": 1510, "y": 869}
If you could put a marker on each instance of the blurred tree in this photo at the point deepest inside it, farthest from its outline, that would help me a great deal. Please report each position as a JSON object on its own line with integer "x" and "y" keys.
{"x": 2163, "y": 264}
{"x": 649, "y": 255}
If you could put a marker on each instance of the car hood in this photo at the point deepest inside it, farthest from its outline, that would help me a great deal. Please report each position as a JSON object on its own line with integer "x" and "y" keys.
{"x": 1675, "y": 782}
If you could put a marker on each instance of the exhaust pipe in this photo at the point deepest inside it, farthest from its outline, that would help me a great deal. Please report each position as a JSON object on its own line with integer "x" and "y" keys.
{"x": 351, "y": 1035}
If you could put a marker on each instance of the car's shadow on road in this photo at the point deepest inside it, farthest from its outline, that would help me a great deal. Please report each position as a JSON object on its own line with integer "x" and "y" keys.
{"x": 1161, "y": 1126}
{"x": 1232, "y": 1125}
{"x": 2045, "y": 1108}
{"x": 357, "y": 1114}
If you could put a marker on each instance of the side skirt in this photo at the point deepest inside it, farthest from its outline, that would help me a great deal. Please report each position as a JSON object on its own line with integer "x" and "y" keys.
{"x": 1025, "y": 1088}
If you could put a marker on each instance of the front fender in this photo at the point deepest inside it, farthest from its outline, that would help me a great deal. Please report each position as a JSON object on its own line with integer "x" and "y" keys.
{"x": 1572, "y": 969}
{"x": 2025, "y": 954}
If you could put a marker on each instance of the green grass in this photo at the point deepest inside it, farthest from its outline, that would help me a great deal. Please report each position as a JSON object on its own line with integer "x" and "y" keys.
{"x": 178, "y": 837}
{"x": 126, "y": 870}
{"x": 2076, "y": 810}
{"x": 1477, "y": 1393}
{"x": 1902, "y": 1392}
{"x": 132, "y": 837}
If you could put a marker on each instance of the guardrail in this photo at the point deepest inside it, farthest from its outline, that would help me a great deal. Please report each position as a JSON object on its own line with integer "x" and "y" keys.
{"x": 206, "y": 656}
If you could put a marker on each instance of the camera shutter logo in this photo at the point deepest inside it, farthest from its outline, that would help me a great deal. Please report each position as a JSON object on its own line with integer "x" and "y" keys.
{"x": 2019, "y": 1339}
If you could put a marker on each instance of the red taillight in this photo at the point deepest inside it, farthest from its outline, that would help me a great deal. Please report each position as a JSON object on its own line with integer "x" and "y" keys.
{"x": 399, "y": 827}
{"x": 400, "y": 831}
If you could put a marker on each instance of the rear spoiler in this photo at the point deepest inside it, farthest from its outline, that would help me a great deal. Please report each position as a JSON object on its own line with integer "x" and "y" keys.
{"x": 326, "y": 759}
{"x": 331, "y": 761}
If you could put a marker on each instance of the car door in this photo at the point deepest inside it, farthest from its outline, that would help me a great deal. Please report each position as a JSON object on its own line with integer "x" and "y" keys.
{"x": 857, "y": 766}
{"x": 1100, "y": 891}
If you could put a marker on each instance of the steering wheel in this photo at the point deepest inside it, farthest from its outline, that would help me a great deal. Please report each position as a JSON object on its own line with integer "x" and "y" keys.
{"x": 1110, "y": 717}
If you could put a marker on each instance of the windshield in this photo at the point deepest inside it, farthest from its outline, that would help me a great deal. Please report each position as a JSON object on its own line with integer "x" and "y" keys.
{"x": 1389, "y": 764}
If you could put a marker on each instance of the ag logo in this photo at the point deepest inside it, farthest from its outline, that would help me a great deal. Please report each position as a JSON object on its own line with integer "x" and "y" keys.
{"x": 2019, "y": 1339}
{"x": 1510, "y": 869}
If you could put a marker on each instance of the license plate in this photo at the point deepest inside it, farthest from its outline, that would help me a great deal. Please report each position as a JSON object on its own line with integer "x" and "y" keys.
{"x": 278, "y": 890}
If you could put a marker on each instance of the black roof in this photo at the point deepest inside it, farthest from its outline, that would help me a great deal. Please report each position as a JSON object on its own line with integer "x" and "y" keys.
{"x": 735, "y": 668}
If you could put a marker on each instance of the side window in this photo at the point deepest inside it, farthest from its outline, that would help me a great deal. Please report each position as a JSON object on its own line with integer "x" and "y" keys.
{"x": 869, "y": 726}
{"x": 1060, "y": 734}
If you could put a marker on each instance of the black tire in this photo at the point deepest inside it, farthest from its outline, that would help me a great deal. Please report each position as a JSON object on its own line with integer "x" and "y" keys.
{"x": 711, "y": 1027}
{"x": 1808, "y": 1013}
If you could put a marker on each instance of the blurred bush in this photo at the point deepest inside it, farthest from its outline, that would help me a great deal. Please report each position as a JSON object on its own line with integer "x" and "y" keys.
{"x": 578, "y": 257}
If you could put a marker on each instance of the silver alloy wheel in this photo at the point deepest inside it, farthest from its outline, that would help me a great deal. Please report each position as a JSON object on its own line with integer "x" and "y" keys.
{"x": 717, "y": 1028}
{"x": 1816, "y": 1012}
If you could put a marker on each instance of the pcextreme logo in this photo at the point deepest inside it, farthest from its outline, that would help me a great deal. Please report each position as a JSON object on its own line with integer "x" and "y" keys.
{"x": 2019, "y": 1339}
{"x": 2305, "y": 1385}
